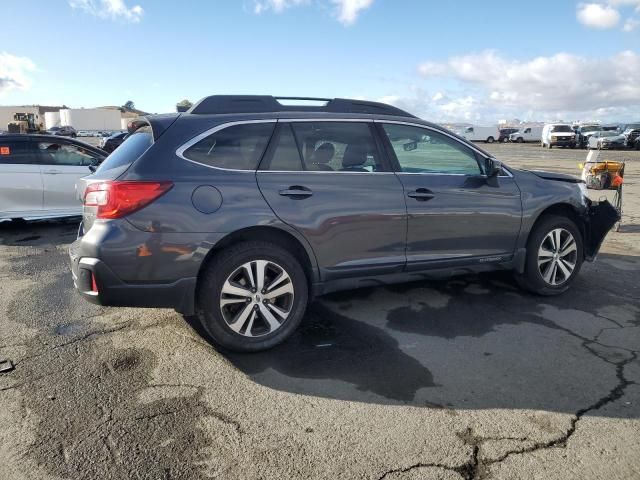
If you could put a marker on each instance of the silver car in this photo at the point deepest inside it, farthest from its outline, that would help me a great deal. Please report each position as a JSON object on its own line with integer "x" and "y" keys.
{"x": 606, "y": 140}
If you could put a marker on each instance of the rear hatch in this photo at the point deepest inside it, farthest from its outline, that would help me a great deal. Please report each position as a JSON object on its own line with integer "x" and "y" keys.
{"x": 117, "y": 163}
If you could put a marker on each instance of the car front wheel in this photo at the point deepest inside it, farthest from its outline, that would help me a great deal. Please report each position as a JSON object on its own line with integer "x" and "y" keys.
{"x": 252, "y": 296}
{"x": 554, "y": 256}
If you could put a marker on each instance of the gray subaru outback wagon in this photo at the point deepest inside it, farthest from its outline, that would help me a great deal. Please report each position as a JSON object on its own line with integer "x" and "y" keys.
{"x": 244, "y": 208}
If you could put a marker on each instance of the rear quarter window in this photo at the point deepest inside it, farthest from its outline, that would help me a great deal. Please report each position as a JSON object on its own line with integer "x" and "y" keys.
{"x": 130, "y": 150}
{"x": 17, "y": 152}
{"x": 237, "y": 147}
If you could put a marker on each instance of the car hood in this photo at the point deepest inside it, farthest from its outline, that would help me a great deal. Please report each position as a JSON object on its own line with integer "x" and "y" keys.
{"x": 560, "y": 177}
{"x": 562, "y": 134}
{"x": 619, "y": 138}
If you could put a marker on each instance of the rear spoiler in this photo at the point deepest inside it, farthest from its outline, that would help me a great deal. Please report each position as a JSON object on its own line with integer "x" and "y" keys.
{"x": 158, "y": 123}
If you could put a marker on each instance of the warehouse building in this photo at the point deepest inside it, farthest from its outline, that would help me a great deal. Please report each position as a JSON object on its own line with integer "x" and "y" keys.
{"x": 107, "y": 118}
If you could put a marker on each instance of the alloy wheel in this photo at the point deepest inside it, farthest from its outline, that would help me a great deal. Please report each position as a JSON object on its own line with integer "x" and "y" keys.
{"x": 557, "y": 256}
{"x": 257, "y": 298}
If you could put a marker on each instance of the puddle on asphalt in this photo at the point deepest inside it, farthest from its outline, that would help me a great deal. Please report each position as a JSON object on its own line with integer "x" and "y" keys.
{"x": 69, "y": 328}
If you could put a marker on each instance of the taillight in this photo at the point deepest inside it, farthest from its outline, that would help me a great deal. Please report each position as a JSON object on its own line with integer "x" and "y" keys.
{"x": 116, "y": 199}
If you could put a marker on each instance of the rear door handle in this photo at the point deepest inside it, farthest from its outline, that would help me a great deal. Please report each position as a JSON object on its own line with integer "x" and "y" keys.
{"x": 296, "y": 191}
{"x": 421, "y": 194}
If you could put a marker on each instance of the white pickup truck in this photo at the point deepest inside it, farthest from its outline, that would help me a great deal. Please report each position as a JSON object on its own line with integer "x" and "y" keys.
{"x": 476, "y": 133}
{"x": 526, "y": 134}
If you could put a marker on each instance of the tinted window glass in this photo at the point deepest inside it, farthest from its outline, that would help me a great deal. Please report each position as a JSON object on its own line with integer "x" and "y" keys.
{"x": 286, "y": 156}
{"x": 17, "y": 152}
{"x": 59, "y": 153}
{"x": 239, "y": 147}
{"x": 425, "y": 151}
{"x": 130, "y": 150}
{"x": 337, "y": 146}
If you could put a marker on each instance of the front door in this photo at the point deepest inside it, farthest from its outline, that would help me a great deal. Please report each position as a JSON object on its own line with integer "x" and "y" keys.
{"x": 62, "y": 165}
{"x": 20, "y": 179}
{"x": 456, "y": 216}
{"x": 329, "y": 181}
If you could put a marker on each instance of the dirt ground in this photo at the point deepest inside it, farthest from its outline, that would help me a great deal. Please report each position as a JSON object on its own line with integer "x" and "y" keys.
{"x": 465, "y": 378}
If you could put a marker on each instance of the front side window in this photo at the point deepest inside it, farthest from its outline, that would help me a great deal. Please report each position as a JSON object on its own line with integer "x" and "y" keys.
{"x": 337, "y": 147}
{"x": 419, "y": 150}
{"x": 238, "y": 147}
{"x": 59, "y": 153}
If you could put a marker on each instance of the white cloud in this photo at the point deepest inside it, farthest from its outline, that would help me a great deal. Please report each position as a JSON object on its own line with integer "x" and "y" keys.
{"x": 111, "y": 9}
{"x": 276, "y": 5}
{"x": 607, "y": 14}
{"x": 630, "y": 25}
{"x": 345, "y": 11}
{"x": 14, "y": 72}
{"x": 597, "y": 15}
{"x": 348, "y": 10}
{"x": 562, "y": 85}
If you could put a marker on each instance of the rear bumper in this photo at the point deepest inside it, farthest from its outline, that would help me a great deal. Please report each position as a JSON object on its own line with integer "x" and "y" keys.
{"x": 115, "y": 264}
{"x": 97, "y": 283}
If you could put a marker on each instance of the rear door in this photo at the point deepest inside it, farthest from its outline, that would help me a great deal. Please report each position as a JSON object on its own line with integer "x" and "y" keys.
{"x": 330, "y": 181}
{"x": 456, "y": 216}
{"x": 20, "y": 179}
{"x": 62, "y": 164}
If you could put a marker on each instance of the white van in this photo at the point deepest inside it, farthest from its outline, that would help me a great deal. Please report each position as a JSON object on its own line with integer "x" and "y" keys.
{"x": 481, "y": 134}
{"x": 526, "y": 134}
{"x": 558, "y": 135}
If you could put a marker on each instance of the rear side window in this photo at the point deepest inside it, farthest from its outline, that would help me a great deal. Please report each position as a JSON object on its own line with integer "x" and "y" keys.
{"x": 17, "y": 152}
{"x": 337, "y": 147}
{"x": 130, "y": 150}
{"x": 238, "y": 147}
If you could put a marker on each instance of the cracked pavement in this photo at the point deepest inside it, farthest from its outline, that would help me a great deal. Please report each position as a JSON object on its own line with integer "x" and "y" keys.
{"x": 464, "y": 378}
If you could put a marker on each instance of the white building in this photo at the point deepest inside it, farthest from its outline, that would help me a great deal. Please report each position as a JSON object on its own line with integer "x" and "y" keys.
{"x": 91, "y": 118}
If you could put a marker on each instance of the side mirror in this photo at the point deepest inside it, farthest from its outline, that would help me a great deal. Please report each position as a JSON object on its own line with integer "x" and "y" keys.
{"x": 493, "y": 167}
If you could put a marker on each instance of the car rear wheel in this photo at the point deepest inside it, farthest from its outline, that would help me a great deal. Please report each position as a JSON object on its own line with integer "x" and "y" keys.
{"x": 490, "y": 140}
{"x": 252, "y": 296}
{"x": 554, "y": 256}
{"x": 520, "y": 140}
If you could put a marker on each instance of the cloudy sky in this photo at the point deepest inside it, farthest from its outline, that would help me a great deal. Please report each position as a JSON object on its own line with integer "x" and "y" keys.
{"x": 445, "y": 61}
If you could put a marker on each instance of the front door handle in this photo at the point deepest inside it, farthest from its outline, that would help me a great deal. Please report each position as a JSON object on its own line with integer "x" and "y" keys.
{"x": 52, "y": 171}
{"x": 421, "y": 194}
{"x": 296, "y": 191}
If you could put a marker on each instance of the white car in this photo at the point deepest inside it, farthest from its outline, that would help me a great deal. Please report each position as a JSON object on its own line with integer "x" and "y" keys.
{"x": 38, "y": 174}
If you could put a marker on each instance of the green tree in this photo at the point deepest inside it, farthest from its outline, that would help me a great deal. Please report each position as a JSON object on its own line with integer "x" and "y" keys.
{"x": 183, "y": 105}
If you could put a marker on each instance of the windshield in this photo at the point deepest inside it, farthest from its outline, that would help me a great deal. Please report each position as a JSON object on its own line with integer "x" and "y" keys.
{"x": 590, "y": 128}
{"x": 561, "y": 128}
{"x": 608, "y": 134}
{"x": 632, "y": 126}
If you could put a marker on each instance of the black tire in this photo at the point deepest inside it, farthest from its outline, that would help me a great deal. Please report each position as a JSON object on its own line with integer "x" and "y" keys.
{"x": 549, "y": 146}
{"x": 491, "y": 140}
{"x": 223, "y": 265}
{"x": 520, "y": 140}
{"x": 532, "y": 279}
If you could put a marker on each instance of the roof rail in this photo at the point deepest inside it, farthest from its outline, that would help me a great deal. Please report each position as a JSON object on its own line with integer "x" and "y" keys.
{"x": 219, "y": 104}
